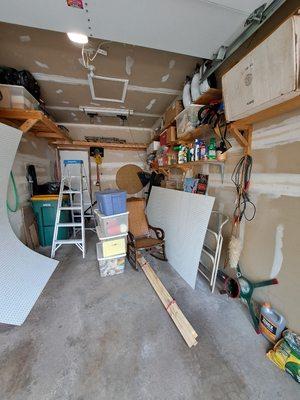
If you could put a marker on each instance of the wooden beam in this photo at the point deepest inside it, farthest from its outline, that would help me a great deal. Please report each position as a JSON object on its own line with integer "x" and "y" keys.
{"x": 248, "y": 149}
{"x": 9, "y": 123}
{"x": 51, "y": 125}
{"x": 53, "y": 135}
{"x": 20, "y": 114}
{"x": 31, "y": 120}
{"x": 242, "y": 141}
{"x": 274, "y": 111}
{"x": 183, "y": 325}
{"x": 27, "y": 125}
{"x": 111, "y": 146}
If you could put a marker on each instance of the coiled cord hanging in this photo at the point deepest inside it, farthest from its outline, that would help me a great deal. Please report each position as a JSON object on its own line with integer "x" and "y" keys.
{"x": 16, "y": 196}
{"x": 241, "y": 176}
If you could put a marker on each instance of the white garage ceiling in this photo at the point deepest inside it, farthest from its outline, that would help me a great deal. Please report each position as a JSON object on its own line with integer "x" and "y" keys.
{"x": 191, "y": 27}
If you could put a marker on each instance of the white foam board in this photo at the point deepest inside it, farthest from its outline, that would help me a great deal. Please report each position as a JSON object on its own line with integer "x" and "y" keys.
{"x": 184, "y": 218}
{"x": 23, "y": 272}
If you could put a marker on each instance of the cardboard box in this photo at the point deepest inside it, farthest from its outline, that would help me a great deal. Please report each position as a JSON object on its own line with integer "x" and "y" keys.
{"x": 175, "y": 108}
{"x": 168, "y": 136}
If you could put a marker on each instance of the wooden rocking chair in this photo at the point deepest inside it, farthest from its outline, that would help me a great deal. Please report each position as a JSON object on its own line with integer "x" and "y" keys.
{"x": 139, "y": 237}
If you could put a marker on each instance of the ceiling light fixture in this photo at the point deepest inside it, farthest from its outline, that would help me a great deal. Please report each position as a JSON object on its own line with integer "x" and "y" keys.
{"x": 78, "y": 38}
{"x": 106, "y": 112}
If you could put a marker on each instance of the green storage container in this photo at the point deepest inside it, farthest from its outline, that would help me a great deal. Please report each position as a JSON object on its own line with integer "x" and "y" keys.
{"x": 44, "y": 208}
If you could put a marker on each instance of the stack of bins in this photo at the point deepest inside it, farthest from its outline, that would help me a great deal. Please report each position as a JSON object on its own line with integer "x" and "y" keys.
{"x": 112, "y": 229}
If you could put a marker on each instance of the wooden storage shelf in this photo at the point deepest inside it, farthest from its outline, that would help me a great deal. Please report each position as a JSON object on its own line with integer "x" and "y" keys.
{"x": 274, "y": 111}
{"x": 32, "y": 121}
{"x": 111, "y": 146}
{"x": 190, "y": 165}
{"x": 241, "y": 132}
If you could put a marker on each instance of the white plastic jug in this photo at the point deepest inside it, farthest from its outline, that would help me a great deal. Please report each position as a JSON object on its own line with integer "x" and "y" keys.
{"x": 271, "y": 323}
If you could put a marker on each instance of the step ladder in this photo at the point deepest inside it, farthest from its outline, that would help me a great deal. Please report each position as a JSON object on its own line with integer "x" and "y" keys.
{"x": 80, "y": 206}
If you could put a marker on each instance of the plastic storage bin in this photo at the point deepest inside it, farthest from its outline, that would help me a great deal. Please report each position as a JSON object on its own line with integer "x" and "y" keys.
{"x": 44, "y": 208}
{"x": 110, "y": 265}
{"x": 111, "y": 201}
{"x": 110, "y": 225}
{"x": 113, "y": 245}
{"x": 14, "y": 96}
{"x": 187, "y": 119}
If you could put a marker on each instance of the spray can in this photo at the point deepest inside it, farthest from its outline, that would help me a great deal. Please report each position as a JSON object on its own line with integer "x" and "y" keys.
{"x": 202, "y": 151}
{"x": 197, "y": 150}
{"x": 271, "y": 323}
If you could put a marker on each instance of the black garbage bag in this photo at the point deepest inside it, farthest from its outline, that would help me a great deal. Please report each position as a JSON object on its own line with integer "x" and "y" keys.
{"x": 9, "y": 76}
{"x": 27, "y": 80}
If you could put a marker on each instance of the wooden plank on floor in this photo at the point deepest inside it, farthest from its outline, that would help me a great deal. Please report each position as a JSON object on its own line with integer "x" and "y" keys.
{"x": 183, "y": 325}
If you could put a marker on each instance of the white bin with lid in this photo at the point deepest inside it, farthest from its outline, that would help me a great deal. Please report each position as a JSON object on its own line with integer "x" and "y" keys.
{"x": 187, "y": 120}
{"x": 112, "y": 245}
{"x": 109, "y": 266}
{"x": 111, "y": 225}
{"x": 14, "y": 96}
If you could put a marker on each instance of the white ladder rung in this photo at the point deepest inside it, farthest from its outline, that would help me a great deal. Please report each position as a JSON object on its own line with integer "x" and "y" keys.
{"x": 85, "y": 204}
{"x": 68, "y": 241}
{"x": 71, "y": 191}
{"x": 68, "y": 224}
{"x": 64, "y": 208}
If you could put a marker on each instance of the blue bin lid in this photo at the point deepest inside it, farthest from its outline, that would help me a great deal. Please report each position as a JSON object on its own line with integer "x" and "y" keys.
{"x": 110, "y": 191}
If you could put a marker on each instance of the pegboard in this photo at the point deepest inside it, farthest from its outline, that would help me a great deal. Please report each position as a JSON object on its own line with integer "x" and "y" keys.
{"x": 184, "y": 218}
{"x": 23, "y": 272}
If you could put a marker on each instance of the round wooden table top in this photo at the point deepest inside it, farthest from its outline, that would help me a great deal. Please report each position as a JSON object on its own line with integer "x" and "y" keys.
{"x": 127, "y": 179}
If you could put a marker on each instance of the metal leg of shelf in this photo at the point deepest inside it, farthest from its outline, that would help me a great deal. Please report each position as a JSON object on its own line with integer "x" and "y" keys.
{"x": 222, "y": 167}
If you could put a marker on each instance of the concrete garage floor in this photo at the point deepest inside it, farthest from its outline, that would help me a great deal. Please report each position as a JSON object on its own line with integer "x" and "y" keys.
{"x": 91, "y": 338}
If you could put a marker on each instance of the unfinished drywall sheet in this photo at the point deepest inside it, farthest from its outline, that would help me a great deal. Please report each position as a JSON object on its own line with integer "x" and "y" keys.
{"x": 23, "y": 273}
{"x": 184, "y": 218}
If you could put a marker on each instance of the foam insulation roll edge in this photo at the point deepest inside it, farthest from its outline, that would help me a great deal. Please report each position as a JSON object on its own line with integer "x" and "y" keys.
{"x": 23, "y": 272}
{"x": 184, "y": 217}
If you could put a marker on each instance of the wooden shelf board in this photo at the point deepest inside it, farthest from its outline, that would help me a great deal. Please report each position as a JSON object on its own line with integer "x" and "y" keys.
{"x": 192, "y": 164}
{"x": 111, "y": 146}
{"x": 31, "y": 121}
{"x": 274, "y": 111}
{"x": 210, "y": 95}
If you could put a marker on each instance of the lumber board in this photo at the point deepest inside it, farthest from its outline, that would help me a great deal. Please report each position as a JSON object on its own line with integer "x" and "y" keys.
{"x": 50, "y": 135}
{"x": 28, "y": 124}
{"x": 31, "y": 121}
{"x": 242, "y": 141}
{"x": 20, "y": 114}
{"x": 105, "y": 145}
{"x": 183, "y": 325}
{"x": 271, "y": 112}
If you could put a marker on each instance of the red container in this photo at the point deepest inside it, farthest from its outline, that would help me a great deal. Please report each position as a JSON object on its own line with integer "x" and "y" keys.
{"x": 163, "y": 138}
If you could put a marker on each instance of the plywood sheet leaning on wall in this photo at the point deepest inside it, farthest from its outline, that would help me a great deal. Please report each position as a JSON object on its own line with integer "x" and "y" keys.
{"x": 184, "y": 218}
{"x": 23, "y": 273}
